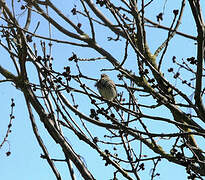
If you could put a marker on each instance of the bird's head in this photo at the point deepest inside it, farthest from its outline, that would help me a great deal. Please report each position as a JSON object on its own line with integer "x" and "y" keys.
{"x": 104, "y": 76}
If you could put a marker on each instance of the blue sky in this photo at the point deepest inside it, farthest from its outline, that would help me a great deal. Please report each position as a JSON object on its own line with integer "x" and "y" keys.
{"x": 24, "y": 162}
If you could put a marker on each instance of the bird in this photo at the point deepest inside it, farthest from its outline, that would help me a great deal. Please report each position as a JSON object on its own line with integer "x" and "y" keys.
{"x": 106, "y": 87}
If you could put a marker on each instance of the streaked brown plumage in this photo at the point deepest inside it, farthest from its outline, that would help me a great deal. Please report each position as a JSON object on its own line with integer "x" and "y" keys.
{"x": 106, "y": 87}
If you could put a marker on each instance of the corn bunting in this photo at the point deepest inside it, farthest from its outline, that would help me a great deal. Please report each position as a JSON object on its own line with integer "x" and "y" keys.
{"x": 106, "y": 87}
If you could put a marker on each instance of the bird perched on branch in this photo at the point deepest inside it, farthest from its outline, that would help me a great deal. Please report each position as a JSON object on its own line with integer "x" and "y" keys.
{"x": 106, "y": 87}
